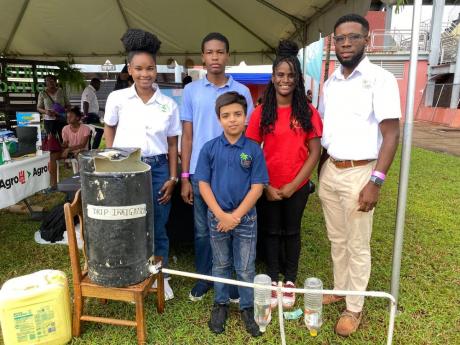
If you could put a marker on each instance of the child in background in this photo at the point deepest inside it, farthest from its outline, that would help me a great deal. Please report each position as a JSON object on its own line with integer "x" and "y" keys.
{"x": 75, "y": 135}
{"x": 231, "y": 172}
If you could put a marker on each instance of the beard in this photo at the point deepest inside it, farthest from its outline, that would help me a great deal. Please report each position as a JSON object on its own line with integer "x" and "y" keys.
{"x": 353, "y": 61}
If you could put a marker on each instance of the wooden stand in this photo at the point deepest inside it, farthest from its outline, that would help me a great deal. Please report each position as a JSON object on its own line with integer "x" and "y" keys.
{"x": 84, "y": 287}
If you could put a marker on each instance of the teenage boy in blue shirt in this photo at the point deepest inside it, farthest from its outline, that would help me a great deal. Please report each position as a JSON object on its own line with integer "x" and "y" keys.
{"x": 199, "y": 125}
{"x": 232, "y": 173}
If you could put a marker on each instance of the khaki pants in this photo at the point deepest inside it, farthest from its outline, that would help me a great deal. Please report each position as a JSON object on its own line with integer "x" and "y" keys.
{"x": 348, "y": 229}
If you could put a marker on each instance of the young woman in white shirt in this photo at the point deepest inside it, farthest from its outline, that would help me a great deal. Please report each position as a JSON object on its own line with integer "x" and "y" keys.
{"x": 141, "y": 116}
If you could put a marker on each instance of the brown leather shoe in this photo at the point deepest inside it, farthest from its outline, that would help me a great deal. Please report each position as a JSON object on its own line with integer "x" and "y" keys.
{"x": 348, "y": 323}
{"x": 328, "y": 299}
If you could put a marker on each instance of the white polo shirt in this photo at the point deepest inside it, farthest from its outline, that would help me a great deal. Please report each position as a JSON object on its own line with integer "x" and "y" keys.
{"x": 89, "y": 95}
{"x": 352, "y": 109}
{"x": 143, "y": 125}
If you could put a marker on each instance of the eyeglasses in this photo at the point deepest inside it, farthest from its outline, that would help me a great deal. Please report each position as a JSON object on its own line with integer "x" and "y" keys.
{"x": 352, "y": 38}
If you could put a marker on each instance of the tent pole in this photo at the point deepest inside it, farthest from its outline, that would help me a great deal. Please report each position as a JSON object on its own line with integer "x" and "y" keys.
{"x": 406, "y": 152}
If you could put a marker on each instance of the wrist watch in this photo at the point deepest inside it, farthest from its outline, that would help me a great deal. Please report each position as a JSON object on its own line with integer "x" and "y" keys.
{"x": 377, "y": 180}
{"x": 174, "y": 178}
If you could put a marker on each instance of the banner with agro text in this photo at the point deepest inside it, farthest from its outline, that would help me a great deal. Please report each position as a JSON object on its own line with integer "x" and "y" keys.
{"x": 22, "y": 178}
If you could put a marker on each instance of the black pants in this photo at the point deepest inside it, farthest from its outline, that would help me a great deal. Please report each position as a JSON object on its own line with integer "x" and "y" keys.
{"x": 94, "y": 119}
{"x": 280, "y": 230}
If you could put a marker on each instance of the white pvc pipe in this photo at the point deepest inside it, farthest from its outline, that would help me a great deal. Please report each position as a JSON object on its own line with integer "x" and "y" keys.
{"x": 279, "y": 289}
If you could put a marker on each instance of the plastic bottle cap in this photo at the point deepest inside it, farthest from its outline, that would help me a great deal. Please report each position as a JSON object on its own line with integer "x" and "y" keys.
{"x": 313, "y": 332}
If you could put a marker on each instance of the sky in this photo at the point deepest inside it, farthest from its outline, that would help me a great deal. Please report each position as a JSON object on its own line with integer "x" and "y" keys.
{"x": 403, "y": 20}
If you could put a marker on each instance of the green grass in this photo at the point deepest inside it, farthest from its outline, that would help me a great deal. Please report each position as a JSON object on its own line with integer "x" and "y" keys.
{"x": 430, "y": 273}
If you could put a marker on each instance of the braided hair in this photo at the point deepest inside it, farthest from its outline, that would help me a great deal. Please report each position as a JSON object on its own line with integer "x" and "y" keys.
{"x": 301, "y": 112}
{"x": 138, "y": 41}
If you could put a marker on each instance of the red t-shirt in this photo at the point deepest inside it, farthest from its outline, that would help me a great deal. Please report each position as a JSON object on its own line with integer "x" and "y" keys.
{"x": 285, "y": 148}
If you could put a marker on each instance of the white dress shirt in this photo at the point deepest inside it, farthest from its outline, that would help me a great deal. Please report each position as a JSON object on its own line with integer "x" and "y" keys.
{"x": 143, "y": 125}
{"x": 89, "y": 95}
{"x": 352, "y": 109}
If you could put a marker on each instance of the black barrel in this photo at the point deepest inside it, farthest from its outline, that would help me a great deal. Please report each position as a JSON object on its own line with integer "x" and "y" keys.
{"x": 118, "y": 215}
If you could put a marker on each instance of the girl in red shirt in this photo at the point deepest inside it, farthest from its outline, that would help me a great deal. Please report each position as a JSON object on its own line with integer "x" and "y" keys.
{"x": 290, "y": 130}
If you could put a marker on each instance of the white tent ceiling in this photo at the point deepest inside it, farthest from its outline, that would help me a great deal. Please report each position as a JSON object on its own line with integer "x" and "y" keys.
{"x": 89, "y": 31}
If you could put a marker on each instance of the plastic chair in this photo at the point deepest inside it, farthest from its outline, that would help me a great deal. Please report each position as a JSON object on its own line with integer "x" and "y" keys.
{"x": 84, "y": 287}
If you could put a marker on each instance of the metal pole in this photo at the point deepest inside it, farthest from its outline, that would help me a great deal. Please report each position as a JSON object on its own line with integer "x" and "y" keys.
{"x": 456, "y": 84}
{"x": 406, "y": 151}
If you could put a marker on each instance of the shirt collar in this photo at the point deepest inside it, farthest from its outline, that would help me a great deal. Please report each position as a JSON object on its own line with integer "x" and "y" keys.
{"x": 229, "y": 82}
{"x": 240, "y": 143}
{"x": 157, "y": 96}
{"x": 92, "y": 87}
{"x": 362, "y": 68}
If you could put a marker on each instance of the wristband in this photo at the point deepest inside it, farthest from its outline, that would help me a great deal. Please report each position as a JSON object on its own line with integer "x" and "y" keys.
{"x": 185, "y": 175}
{"x": 379, "y": 174}
{"x": 173, "y": 178}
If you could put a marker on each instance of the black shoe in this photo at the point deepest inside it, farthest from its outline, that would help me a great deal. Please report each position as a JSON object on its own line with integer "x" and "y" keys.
{"x": 219, "y": 315}
{"x": 247, "y": 315}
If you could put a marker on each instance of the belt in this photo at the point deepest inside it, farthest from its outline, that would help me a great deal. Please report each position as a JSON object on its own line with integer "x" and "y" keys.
{"x": 345, "y": 164}
{"x": 154, "y": 159}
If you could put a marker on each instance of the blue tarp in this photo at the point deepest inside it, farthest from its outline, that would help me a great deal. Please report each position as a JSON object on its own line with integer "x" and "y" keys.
{"x": 252, "y": 78}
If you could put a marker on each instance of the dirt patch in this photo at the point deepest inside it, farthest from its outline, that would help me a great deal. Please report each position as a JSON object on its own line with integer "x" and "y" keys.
{"x": 436, "y": 138}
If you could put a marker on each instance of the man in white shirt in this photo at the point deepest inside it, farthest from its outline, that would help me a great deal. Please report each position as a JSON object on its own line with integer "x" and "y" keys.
{"x": 90, "y": 109}
{"x": 360, "y": 107}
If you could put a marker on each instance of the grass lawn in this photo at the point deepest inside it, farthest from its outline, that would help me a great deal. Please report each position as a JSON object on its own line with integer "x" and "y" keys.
{"x": 430, "y": 273}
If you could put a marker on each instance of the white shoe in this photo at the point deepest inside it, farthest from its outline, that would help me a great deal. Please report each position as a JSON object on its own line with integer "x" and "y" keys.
{"x": 169, "y": 294}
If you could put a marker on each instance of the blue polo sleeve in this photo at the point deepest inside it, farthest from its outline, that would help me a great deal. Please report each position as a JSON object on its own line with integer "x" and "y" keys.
{"x": 186, "y": 111}
{"x": 203, "y": 167}
{"x": 259, "y": 174}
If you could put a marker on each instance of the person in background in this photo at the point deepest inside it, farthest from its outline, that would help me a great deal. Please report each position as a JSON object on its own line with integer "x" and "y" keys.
{"x": 361, "y": 110}
{"x": 309, "y": 96}
{"x": 122, "y": 79}
{"x": 52, "y": 102}
{"x": 141, "y": 116}
{"x": 290, "y": 130}
{"x": 199, "y": 125}
{"x": 231, "y": 172}
{"x": 90, "y": 107}
{"x": 75, "y": 137}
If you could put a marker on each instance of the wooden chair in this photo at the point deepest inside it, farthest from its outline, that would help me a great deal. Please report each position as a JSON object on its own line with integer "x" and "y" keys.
{"x": 84, "y": 287}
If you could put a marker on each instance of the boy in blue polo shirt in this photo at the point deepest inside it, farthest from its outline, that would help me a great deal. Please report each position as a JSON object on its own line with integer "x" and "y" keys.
{"x": 232, "y": 173}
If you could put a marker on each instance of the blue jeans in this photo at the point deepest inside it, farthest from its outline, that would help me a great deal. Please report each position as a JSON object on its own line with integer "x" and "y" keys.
{"x": 234, "y": 248}
{"x": 203, "y": 255}
{"x": 160, "y": 174}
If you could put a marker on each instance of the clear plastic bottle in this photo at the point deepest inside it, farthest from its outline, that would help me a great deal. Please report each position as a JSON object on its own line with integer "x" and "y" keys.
{"x": 262, "y": 310}
{"x": 313, "y": 306}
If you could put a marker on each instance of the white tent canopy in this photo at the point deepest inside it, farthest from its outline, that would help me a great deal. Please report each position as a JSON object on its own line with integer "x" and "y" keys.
{"x": 89, "y": 31}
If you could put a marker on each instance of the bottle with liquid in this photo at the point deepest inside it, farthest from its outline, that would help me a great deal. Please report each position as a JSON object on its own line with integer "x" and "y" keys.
{"x": 262, "y": 297}
{"x": 313, "y": 306}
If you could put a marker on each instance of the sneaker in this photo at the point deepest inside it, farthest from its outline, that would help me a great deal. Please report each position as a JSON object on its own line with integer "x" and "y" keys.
{"x": 247, "y": 315}
{"x": 198, "y": 291}
{"x": 274, "y": 298}
{"x": 219, "y": 316}
{"x": 289, "y": 297}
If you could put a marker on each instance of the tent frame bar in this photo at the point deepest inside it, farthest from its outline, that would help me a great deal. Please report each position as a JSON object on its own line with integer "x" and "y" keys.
{"x": 16, "y": 26}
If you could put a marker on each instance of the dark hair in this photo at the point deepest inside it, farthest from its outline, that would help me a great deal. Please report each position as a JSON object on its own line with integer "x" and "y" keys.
{"x": 301, "y": 112}
{"x": 138, "y": 41}
{"x": 215, "y": 36}
{"x": 354, "y": 18}
{"x": 50, "y": 76}
{"x": 95, "y": 80}
{"x": 228, "y": 98}
{"x": 187, "y": 79}
{"x": 76, "y": 111}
